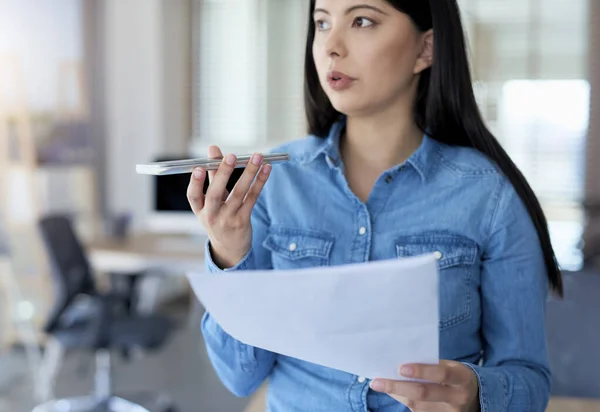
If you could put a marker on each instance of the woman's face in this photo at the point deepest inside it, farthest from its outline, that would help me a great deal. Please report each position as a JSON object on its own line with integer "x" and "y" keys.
{"x": 367, "y": 54}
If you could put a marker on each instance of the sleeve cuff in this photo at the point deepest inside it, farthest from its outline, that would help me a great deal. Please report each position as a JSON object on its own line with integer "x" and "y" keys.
{"x": 212, "y": 330}
{"x": 493, "y": 388}
{"x": 244, "y": 264}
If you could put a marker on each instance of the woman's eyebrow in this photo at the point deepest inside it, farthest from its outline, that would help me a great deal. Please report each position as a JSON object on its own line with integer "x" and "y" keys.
{"x": 352, "y": 8}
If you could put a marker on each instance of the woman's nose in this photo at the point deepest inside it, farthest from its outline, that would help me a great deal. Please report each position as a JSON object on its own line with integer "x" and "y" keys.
{"x": 334, "y": 45}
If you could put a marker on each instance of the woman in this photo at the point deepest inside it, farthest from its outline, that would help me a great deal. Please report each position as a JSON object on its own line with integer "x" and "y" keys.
{"x": 398, "y": 163}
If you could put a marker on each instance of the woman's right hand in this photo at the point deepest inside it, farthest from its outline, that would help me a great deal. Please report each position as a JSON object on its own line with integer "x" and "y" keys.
{"x": 226, "y": 216}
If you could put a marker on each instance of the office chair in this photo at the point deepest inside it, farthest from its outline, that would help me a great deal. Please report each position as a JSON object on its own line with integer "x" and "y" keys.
{"x": 103, "y": 325}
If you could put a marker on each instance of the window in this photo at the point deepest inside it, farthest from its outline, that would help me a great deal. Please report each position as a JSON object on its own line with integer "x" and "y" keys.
{"x": 249, "y": 67}
{"x": 529, "y": 60}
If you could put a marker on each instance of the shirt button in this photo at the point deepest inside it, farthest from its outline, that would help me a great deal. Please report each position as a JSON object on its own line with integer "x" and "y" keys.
{"x": 361, "y": 379}
{"x": 293, "y": 247}
{"x": 388, "y": 179}
{"x": 362, "y": 230}
{"x": 437, "y": 254}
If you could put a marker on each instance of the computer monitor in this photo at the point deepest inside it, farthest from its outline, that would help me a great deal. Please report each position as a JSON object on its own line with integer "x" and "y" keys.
{"x": 171, "y": 211}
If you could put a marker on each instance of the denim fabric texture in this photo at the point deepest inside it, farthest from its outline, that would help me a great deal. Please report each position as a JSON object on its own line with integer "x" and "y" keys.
{"x": 447, "y": 200}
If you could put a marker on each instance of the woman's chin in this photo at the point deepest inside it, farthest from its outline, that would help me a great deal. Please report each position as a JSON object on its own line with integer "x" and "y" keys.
{"x": 350, "y": 107}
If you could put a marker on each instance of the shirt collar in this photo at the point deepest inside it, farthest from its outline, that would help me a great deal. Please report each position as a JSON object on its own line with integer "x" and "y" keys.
{"x": 329, "y": 146}
{"x": 423, "y": 160}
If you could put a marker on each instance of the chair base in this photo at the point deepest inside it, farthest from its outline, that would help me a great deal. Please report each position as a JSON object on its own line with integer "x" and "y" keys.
{"x": 102, "y": 398}
{"x": 90, "y": 404}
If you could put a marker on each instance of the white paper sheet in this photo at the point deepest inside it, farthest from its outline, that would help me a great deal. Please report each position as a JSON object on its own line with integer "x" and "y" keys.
{"x": 366, "y": 319}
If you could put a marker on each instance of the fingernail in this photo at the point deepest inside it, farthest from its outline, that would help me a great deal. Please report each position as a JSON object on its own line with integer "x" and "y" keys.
{"x": 266, "y": 169}
{"x": 230, "y": 159}
{"x": 198, "y": 173}
{"x": 406, "y": 371}
{"x": 377, "y": 385}
{"x": 256, "y": 159}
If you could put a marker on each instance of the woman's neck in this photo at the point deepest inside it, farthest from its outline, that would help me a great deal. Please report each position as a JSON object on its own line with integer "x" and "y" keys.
{"x": 379, "y": 142}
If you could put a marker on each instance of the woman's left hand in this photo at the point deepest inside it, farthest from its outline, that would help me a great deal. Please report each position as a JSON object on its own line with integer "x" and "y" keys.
{"x": 451, "y": 387}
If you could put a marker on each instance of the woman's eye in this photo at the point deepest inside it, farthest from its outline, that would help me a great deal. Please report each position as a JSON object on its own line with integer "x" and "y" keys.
{"x": 322, "y": 25}
{"x": 363, "y": 22}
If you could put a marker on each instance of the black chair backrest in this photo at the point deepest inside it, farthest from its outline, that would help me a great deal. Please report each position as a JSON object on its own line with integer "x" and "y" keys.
{"x": 71, "y": 272}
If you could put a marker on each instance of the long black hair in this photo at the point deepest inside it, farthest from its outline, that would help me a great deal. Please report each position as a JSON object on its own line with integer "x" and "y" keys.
{"x": 445, "y": 105}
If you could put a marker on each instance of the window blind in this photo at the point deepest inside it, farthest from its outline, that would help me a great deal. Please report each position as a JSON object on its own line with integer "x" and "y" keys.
{"x": 229, "y": 87}
{"x": 248, "y": 77}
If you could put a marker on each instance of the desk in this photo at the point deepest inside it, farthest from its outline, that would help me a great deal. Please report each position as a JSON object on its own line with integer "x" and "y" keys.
{"x": 173, "y": 254}
{"x": 170, "y": 255}
{"x": 573, "y": 405}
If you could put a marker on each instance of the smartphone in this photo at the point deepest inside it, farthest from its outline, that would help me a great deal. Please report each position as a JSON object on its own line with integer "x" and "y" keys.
{"x": 188, "y": 165}
{"x": 170, "y": 191}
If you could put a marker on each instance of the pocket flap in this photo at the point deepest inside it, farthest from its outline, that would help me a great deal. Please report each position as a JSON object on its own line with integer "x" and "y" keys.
{"x": 298, "y": 243}
{"x": 450, "y": 250}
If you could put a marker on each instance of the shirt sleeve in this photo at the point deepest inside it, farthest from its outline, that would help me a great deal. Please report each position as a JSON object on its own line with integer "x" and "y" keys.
{"x": 515, "y": 374}
{"x": 242, "y": 368}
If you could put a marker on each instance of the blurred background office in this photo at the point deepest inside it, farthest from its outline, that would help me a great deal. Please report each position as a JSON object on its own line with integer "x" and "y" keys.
{"x": 89, "y": 88}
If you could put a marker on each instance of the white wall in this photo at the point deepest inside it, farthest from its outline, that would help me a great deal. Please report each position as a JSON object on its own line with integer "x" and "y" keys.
{"x": 147, "y": 100}
{"x": 592, "y": 187}
{"x": 177, "y": 74}
{"x": 593, "y": 149}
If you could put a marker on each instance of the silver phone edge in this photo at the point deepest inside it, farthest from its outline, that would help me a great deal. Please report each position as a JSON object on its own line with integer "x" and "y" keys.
{"x": 203, "y": 161}
{"x": 156, "y": 170}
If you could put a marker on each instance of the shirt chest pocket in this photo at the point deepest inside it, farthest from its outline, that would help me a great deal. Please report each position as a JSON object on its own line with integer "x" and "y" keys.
{"x": 294, "y": 248}
{"x": 456, "y": 257}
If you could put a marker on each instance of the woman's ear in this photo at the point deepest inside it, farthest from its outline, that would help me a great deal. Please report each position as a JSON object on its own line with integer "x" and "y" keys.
{"x": 425, "y": 57}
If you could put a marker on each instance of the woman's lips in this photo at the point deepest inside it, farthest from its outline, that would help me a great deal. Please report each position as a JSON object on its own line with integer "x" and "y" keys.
{"x": 339, "y": 81}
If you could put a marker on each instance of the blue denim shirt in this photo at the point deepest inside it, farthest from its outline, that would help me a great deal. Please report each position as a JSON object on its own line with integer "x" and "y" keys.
{"x": 445, "y": 199}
